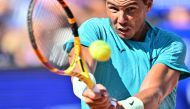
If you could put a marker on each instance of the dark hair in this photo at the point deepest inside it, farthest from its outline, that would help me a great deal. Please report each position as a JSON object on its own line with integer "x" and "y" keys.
{"x": 145, "y": 2}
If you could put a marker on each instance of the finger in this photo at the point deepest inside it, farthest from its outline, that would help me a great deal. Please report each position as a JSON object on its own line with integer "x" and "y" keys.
{"x": 89, "y": 93}
{"x": 102, "y": 106}
{"x": 102, "y": 103}
{"x": 100, "y": 87}
{"x": 101, "y": 97}
{"x": 102, "y": 100}
{"x": 89, "y": 101}
{"x": 96, "y": 105}
{"x": 111, "y": 107}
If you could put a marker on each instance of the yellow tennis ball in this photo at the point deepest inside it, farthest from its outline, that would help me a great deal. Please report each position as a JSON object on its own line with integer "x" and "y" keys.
{"x": 100, "y": 50}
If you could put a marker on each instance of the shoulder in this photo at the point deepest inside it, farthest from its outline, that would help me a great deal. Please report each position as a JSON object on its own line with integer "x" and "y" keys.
{"x": 164, "y": 34}
{"x": 96, "y": 21}
{"x": 167, "y": 38}
{"x": 93, "y": 29}
{"x": 169, "y": 49}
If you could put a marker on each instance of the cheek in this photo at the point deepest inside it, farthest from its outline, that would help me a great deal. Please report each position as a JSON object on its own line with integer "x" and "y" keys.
{"x": 113, "y": 18}
{"x": 139, "y": 20}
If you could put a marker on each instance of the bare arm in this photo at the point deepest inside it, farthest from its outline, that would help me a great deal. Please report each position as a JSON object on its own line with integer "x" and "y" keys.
{"x": 159, "y": 82}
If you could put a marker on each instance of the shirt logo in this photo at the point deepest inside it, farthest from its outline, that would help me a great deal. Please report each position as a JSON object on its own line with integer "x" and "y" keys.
{"x": 131, "y": 103}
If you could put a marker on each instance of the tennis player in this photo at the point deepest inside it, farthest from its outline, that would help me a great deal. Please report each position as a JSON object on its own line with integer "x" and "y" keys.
{"x": 145, "y": 65}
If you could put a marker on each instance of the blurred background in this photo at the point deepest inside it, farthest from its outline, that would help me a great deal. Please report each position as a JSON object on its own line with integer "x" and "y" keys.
{"x": 24, "y": 84}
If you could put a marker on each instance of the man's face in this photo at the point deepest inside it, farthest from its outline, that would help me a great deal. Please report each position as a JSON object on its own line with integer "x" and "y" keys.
{"x": 127, "y": 16}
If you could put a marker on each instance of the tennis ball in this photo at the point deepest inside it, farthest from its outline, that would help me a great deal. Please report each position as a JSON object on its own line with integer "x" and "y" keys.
{"x": 100, "y": 50}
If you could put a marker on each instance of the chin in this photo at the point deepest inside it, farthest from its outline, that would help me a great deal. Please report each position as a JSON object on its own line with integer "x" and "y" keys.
{"x": 125, "y": 36}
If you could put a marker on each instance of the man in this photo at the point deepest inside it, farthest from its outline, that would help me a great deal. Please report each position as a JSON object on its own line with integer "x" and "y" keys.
{"x": 145, "y": 65}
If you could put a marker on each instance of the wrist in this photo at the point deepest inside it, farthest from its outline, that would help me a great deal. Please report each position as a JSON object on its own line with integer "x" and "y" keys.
{"x": 79, "y": 86}
{"x": 119, "y": 106}
{"x": 132, "y": 103}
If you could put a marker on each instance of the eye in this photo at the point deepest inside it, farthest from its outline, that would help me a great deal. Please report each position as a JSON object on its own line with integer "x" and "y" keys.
{"x": 131, "y": 10}
{"x": 113, "y": 9}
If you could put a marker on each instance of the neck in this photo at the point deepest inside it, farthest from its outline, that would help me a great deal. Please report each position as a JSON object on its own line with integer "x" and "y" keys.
{"x": 140, "y": 36}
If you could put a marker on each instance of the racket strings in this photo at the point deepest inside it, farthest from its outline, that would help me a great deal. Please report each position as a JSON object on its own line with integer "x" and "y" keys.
{"x": 52, "y": 31}
{"x": 39, "y": 19}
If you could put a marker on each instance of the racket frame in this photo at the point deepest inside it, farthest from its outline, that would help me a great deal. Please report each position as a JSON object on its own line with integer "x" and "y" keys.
{"x": 77, "y": 58}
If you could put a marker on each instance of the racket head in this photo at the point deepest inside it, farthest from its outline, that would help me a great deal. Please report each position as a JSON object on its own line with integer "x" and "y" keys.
{"x": 51, "y": 25}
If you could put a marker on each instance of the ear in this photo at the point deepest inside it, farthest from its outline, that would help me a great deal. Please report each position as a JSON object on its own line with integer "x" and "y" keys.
{"x": 149, "y": 5}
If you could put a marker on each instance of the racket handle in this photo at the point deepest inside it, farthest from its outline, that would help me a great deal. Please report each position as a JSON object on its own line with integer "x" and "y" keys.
{"x": 95, "y": 88}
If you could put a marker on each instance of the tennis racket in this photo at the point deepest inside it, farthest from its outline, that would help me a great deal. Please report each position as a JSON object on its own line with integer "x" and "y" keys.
{"x": 52, "y": 30}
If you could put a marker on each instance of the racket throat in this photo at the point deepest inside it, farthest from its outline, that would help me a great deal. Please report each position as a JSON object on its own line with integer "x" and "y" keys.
{"x": 85, "y": 72}
{"x": 81, "y": 65}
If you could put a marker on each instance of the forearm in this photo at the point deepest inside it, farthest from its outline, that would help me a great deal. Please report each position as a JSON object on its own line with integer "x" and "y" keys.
{"x": 159, "y": 83}
{"x": 151, "y": 98}
{"x": 146, "y": 99}
{"x": 154, "y": 89}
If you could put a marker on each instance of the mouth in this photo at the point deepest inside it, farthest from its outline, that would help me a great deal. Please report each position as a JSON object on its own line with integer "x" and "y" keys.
{"x": 123, "y": 30}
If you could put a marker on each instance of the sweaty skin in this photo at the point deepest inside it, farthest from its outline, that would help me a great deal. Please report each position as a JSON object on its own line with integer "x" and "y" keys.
{"x": 127, "y": 18}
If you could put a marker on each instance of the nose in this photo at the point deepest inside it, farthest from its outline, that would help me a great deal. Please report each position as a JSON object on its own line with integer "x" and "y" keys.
{"x": 122, "y": 18}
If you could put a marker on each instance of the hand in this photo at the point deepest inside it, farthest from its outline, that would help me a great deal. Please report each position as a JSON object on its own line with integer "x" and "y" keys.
{"x": 119, "y": 106}
{"x": 96, "y": 100}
